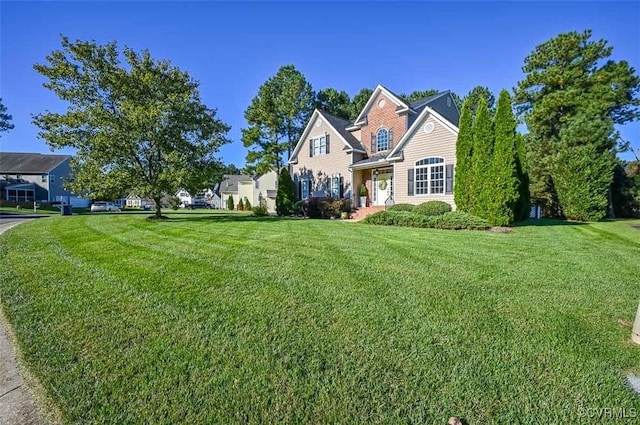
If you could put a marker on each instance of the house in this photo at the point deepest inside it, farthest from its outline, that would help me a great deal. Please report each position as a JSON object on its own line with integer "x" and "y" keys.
{"x": 261, "y": 187}
{"x": 402, "y": 152}
{"x": 184, "y": 197}
{"x": 229, "y": 187}
{"x": 265, "y": 188}
{"x": 28, "y": 177}
{"x": 134, "y": 201}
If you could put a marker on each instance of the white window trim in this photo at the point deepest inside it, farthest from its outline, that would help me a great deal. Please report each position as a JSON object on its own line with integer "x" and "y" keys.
{"x": 317, "y": 150}
{"x": 428, "y": 174}
{"x": 378, "y": 139}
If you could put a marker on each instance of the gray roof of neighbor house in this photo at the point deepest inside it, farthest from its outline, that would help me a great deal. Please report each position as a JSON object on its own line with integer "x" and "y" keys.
{"x": 340, "y": 124}
{"x": 230, "y": 182}
{"x": 29, "y": 163}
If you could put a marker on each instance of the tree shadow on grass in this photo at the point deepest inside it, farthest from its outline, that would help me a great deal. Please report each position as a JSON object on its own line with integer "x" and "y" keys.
{"x": 226, "y": 218}
{"x": 544, "y": 222}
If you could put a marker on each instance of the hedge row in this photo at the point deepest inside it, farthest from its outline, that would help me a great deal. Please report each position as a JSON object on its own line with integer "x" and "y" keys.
{"x": 450, "y": 220}
{"x": 429, "y": 208}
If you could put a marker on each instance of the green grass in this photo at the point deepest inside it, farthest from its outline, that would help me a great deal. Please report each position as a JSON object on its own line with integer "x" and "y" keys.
{"x": 216, "y": 318}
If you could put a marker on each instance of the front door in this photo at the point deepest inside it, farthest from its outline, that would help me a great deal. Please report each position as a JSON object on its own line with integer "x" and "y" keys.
{"x": 381, "y": 187}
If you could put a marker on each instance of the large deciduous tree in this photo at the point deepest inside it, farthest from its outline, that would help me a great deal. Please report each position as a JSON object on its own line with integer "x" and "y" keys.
{"x": 5, "y": 118}
{"x": 137, "y": 124}
{"x": 276, "y": 118}
{"x": 334, "y": 102}
{"x": 570, "y": 82}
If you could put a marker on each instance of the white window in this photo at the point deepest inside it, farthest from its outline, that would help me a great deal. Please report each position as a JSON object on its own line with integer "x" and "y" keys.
{"x": 257, "y": 184}
{"x": 430, "y": 176}
{"x": 305, "y": 189}
{"x": 383, "y": 139}
{"x": 319, "y": 145}
{"x": 44, "y": 178}
{"x": 52, "y": 178}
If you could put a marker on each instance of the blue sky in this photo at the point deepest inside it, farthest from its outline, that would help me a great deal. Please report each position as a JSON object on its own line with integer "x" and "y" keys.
{"x": 232, "y": 48}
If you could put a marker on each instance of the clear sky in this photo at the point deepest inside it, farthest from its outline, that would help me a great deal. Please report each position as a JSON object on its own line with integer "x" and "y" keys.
{"x": 232, "y": 48}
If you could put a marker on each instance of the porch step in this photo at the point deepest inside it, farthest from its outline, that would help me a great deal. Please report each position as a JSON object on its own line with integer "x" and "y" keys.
{"x": 361, "y": 213}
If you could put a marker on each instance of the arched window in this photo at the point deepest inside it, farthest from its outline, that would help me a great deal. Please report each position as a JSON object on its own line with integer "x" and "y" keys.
{"x": 383, "y": 140}
{"x": 430, "y": 176}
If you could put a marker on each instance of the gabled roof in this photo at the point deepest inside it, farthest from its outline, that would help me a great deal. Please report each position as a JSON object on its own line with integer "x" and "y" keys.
{"x": 338, "y": 124}
{"x": 29, "y": 163}
{"x": 230, "y": 182}
{"x": 426, "y": 109}
{"x": 402, "y": 105}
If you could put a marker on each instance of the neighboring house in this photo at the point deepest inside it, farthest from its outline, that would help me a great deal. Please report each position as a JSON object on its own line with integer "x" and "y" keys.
{"x": 265, "y": 187}
{"x": 134, "y": 201}
{"x": 184, "y": 197}
{"x": 229, "y": 187}
{"x": 28, "y": 177}
{"x": 256, "y": 188}
{"x": 402, "y": 152}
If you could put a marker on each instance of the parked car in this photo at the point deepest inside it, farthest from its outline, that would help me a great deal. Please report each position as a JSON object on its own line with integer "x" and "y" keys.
{"x": 104, "y": 206}
{"x": 199, "y": 203}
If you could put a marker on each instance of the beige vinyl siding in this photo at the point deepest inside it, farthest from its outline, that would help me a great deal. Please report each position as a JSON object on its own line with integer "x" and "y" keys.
{"x": 337, "y": 161}
{"x": 441, "y": 143}
{"x": 266, "y": 182}
{"x": 356, "y": 134}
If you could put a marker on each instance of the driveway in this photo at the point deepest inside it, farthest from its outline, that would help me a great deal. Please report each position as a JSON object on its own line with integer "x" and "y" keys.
{"x": 17, "y": 404}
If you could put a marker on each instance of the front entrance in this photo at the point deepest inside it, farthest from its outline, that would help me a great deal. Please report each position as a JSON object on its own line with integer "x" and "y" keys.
{"x": 382, "y": 186}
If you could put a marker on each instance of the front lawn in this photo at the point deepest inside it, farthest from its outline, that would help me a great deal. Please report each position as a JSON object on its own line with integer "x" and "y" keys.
{"x": 222, "y": 318}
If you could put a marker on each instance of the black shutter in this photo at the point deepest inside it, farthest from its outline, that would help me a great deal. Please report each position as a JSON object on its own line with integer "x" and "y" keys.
{"x": 390, "y": 138}
{"x": 310, "y": 148}
{"x": 341, "y": 187}
{"x": 410, "y": 182}
{"x": 448, "y": 185}
{"x": 299, "y": 189}
{"x": 374, "y": 143}
{"x": 327, "y": 136}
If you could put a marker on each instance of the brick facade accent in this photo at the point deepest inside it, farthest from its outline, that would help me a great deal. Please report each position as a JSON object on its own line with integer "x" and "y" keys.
{"x": 383, "y": 117}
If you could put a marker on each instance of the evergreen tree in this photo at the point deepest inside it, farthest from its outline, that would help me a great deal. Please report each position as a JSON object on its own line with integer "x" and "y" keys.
{"x": 240, "y": 205}
{"x": 501, "y": 186}
{"x": 230, "y": 204}
{"x": 464, "y": 150}
{"x": 247, "y": 204}
{"x": 477, "y": 93}
{"x": 286, "y": 195}
{"x": 480, "y": 194}
{"x": 5, "y": 118}
{"x": 334, "y": 102}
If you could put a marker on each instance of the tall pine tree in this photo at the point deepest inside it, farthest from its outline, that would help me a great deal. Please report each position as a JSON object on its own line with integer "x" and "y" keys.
{"x": 480, "y": 194}
{"x": 523, "y": 207}
{"x": 501, "y": 185}
{"x": 464, "y": 151}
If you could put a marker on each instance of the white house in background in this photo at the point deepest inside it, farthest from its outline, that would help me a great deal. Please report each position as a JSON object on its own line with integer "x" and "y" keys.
{"x": 263, "y": 186}
{"x": 185, "y": 198}
{"x": 134, "y": 201}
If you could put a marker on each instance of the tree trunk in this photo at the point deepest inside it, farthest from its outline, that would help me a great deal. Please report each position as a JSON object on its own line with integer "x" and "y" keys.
{"x": 158, "y": 207}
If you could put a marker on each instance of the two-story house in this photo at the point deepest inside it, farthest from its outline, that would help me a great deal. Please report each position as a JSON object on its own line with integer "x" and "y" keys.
{"x": 28, "y": 177}
{"x": 402, "y": 152}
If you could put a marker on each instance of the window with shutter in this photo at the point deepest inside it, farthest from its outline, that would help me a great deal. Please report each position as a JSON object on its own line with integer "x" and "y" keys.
{"x": 327, "y": 143}
{"x": 310, "y": 147}
{"x": 383, "y": 139}
{"x": 341, "y": 187}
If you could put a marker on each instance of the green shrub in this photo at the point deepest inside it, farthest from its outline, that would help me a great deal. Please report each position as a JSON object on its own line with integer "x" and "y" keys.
{"x": 402, "y": 207}
{"x": 247, "y": 204}
{"x": 230, "y": 204}
{"x": 260, "y": 210}
{"x": 431, "y": 208}
{"x": 174, "y": 202}
{"x": 333, "y": 207}
{"x": 298, "y": 208}
{"x": 458, "y": 220}
{"x": 450, "y": 220}
{"x": 240, "y": 205}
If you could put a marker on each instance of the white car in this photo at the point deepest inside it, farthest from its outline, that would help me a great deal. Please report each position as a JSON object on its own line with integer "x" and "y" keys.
{"x": 104, "y": 206}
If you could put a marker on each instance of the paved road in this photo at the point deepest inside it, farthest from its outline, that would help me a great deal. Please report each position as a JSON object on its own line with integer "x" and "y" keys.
{"x": 17, "y": 405}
